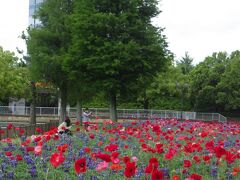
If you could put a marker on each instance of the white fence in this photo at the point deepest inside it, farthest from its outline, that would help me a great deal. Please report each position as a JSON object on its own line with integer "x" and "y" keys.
{"x": 103, "y": 113}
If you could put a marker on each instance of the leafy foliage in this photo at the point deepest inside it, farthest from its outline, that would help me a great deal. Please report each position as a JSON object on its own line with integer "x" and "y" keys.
{"x": 13, "y": 78}
{"x": 169, "y": 90}
{"x": 116, "y": 41}
{"x": 228, "y": 89}
{"x": 185, "y": 64}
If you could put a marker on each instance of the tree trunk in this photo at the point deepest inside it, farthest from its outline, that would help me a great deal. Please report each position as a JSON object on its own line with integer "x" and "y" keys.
{"x": 145, "y": 101}
{"x": 79, "y": 111}
{"x": 33, "y": 104}
{"x": 113, "y": 106}
{"x": 63, "y": 96}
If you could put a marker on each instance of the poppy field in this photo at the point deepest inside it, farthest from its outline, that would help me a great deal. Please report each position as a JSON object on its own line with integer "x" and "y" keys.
{"x": 159, "y": 149}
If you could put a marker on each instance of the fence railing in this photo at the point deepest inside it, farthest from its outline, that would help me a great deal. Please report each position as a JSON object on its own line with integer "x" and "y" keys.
{"x": 27, "y": 130}
{"x": 103, "y": 113}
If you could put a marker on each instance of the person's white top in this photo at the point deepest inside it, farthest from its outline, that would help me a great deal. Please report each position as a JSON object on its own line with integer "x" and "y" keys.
{"x": 62, "y": 126}
{"x": 86, "y": 116}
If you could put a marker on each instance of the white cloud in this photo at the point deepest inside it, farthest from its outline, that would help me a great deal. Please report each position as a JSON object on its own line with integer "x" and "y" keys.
{"x": 200, "y": 27}
{"x": 13, "y": 20}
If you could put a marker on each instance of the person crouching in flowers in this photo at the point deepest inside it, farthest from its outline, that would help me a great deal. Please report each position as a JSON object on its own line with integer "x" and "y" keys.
{"x": 65, "y": 127}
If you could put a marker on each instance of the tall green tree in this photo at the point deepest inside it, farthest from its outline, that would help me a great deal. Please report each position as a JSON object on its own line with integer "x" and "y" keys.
{"x": 14, "y": 78}
{"x": 204, "y": 81}
{"x": 80, "y": 92}
{"x": 48, "y": 46}
{"x": 170, "y": 90}
{"x": 115, "y": 43}
{"x": 185, "y": 64}
{"x": 228, "y": 94}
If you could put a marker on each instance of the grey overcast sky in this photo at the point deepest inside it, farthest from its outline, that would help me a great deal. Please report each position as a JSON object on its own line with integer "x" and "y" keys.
{"x": 199, "y": 27}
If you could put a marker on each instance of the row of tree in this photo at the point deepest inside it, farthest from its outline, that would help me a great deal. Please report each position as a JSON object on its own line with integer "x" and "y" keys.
{"x": 212, "y": 85}
{"x": 84, "y": 47}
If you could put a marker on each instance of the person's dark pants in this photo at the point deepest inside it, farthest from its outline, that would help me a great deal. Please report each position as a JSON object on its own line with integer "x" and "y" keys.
{"x": 86, "y": 125}
{"x": 66, "y": 131}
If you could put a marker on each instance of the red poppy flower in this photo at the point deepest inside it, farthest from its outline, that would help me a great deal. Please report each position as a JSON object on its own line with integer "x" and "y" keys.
{"x": 62, "y": 148}
{"x": 2, "y": 131}
{"x": 56, "y": 159}
{"x": 80, "y": 165}
{"x": 219, "y": 151}
{"x": 38, "y": 130}
{"x": 156, "y": 128}
{"x": 21, "y": 131}
{"x": 130, "y": 169}
{"x": 149, "y": 169}
{"x": 196, "y": 177}
{"x": 91, "y": 136}
{"x": 19, "y": 157}
{"x": 9, "y": 126}
{"x": 196, "y": 159}
{"x": 104, "y": 157}
{"x": 87, "y": 150}
{"x": 123, "y": 137}
{"x": 187, "y": 163}
{"x": 206, "y": 158}
{"x": 230, "y": 158}
{"x": 115, "y": 154}
{"x": 153, "y": 160}
{"x": 40, "y": 143}
{"x": 77, "y": 123}
{"x": 47, "y": 138}
{"x": 100, "y": 143}
{"x": 157, "y": 175}
{"x": 56, "y": 137}
{"x": 203, "y": 134}
{"x": 77, "y": 129}
{"x": 37, "y": 139}
{"x": 111, "y": 147}
{"x": 209, "y": 145}
{"x": 116, "y": 167}
{"x": 29, "y": 149}
{"x": 152, "y": 166}
{"x": 8, "y": 153}
{"x": 144, "y": 146}
{"x": 175, "y": 177}
{"x": 126, "y": 159}
{"x": 168, "y": 156}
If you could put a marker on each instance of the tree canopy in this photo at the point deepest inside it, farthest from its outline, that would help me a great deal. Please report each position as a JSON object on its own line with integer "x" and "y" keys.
{"x": 14, "y": 78}
{"x": 48, "y": 46}
{"x": 116, "y": 44}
